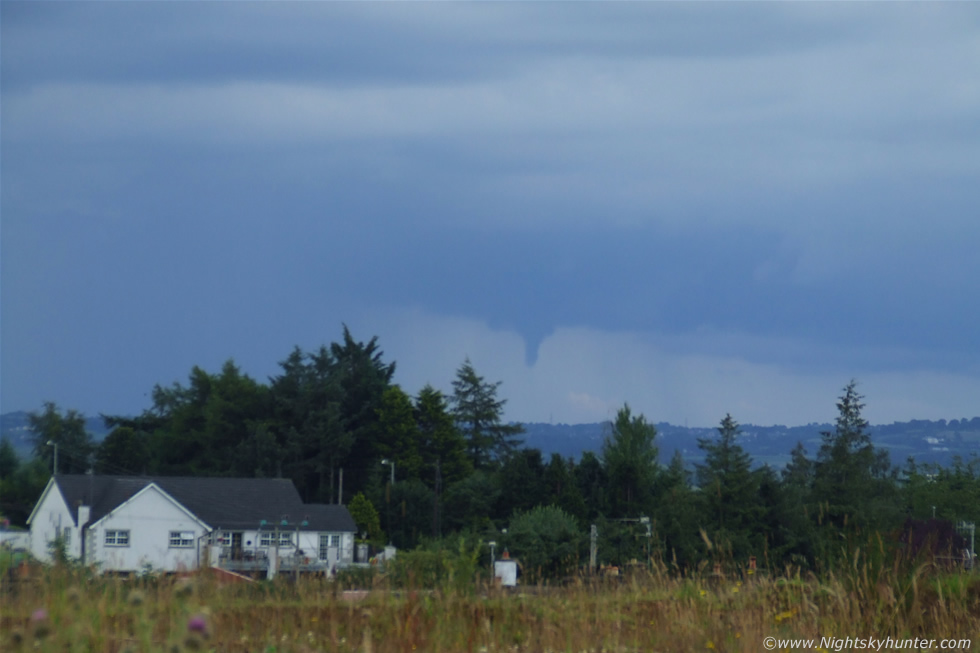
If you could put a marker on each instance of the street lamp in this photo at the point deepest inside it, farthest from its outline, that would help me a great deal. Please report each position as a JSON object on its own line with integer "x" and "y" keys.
{"x": 385, "y": 461}
{"x": 54, "y": 444}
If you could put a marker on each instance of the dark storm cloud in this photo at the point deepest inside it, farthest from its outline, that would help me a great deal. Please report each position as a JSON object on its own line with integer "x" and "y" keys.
{"x": 339, "y": 43}
{"x": 790, "y": 184}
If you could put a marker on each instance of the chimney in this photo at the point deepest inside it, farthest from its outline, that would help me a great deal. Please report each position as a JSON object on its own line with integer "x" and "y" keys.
{"x": 84, "y": 514}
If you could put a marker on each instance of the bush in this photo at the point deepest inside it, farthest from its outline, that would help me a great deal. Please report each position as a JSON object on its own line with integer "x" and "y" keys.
{"x": 438, "y": 567}
{"x": 547, "y": 541}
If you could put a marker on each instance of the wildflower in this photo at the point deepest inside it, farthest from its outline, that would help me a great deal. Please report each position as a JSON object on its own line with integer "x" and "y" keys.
{"x": 198, "y": 624}
{"x": 704, "y": 592}
{"x": 41, "y": 626}
{"x": 710, "y": 645}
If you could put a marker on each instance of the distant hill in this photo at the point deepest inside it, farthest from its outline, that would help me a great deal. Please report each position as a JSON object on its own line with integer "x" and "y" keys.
{"x": 13, "y": 427}
{"x": 925, "y": 440}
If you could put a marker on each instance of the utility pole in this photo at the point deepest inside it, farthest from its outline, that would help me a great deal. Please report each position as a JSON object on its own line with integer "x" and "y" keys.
{"x": 593, "y": 547}
{"x": 385, "y": 461}
{"x": 435, "y": 503}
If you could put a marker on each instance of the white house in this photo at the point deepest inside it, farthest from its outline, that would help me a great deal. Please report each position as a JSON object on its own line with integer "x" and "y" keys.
{"x": 131, "y": 523}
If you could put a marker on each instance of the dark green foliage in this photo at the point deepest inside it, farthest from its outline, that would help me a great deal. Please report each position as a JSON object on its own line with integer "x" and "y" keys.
{"x": 259, "y": 454}
{"x": 411, "y": 513}
{"x": 9, "y": 462}
{"x": 728, "y": 492}
{"x": 547, "y": 541}
{"x": 366, "y": 517}
{"x": 951, "y": 493}
{"x": 20, "y": 490}
{"x": 307, "y": 422}
{"x": 592, "y": 482}
{"x": 522, "y": 483}
{"x": 440, "y": 441}
{"x": 629, "y": 457}
{"x": 123, "y": 452}
{"x": 398, "y": 436}
{"x": 852, "y": 483}
{"x": 67, "y": 430}
{"x": 200, "y": 426}
{"x": 479, "y": 414}
{"x": 783, "y": 532}
{"x": 798, "y": 473}
{"x": 677, "y": 517}
{"x": 469, "y": 503}
{"x": 451, "y": 564}
{"x": 561, "y": 489}
{"x": 363, "y": 377}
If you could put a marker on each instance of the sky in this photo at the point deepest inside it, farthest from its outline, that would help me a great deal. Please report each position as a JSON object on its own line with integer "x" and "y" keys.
{"x": 693, "y": 208}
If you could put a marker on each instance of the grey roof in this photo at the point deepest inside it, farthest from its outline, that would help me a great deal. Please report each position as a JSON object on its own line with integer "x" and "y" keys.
{"x": 226, "y": 503}
{"x": 328, "y": 517}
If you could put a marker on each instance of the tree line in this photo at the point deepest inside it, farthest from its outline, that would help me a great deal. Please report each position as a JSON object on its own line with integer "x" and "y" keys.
{"x": 459, "y": 468}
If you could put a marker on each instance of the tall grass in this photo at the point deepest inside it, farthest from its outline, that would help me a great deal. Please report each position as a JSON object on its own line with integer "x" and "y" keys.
{"x": 650, "y": 610}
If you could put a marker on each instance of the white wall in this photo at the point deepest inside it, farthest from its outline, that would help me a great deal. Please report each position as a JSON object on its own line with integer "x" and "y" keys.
{"x": 149, "y": 517}
{"x": 51, "y": 517}
{"x": 15, "y": 539}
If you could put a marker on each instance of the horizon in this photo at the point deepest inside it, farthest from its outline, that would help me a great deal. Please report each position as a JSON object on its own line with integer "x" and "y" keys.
{"x": 967, "y": 419}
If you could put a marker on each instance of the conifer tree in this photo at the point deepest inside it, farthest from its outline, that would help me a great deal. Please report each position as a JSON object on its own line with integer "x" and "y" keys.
{"x": 444, "y": 449}
{"x": 479, "y": 415}
{"x": 629, "y": 457}
{"x": 729, "y": 489}
{"x": 852, "y": 482}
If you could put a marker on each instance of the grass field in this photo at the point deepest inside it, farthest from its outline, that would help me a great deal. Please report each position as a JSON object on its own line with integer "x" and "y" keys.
{"x": 71, "y": 610}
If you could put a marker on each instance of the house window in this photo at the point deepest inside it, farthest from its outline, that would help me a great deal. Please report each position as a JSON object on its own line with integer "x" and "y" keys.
{"x": 328, "y": 542}
{"x": 117, "y": 538}
{"x": 221, "y": 538}
{"x": 269, "y": 539}
{"x": 66, "y": 536}
{"x": 181, "y": 539}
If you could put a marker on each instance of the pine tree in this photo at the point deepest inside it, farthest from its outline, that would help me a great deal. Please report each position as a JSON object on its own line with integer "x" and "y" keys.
{"x": 629, "y": 457}
{"x": 479, "y": 416}
{"x": 398, "y": 435}
{"x": 729, "y": 488}
{"x": 677, "y": 517}
{"x": 852, "y": 480}
{"x": 798, "y": 473}
{"x": 441, "y": 442}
